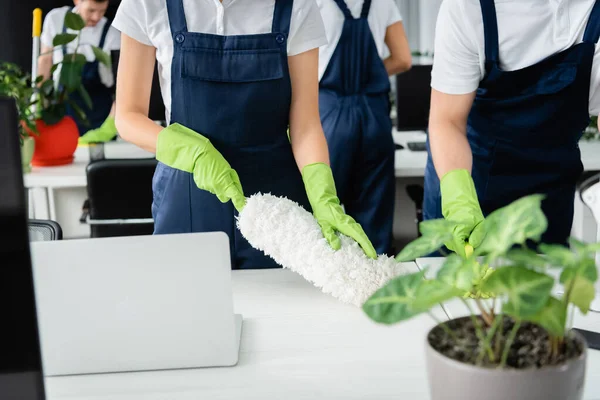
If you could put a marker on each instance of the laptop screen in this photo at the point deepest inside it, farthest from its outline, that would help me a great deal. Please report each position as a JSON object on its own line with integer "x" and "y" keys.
{"x": 21, "y": 374}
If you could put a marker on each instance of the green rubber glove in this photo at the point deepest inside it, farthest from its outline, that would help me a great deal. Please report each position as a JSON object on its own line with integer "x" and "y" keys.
{"x": 461, "y": 206}
{"x": 182, "y": 148}
{"x": 320, "y": 188}
{"x": 106, "y": 133}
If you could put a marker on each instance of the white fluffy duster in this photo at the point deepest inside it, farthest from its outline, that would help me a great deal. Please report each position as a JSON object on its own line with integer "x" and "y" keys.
{"x": 292, "y": 237}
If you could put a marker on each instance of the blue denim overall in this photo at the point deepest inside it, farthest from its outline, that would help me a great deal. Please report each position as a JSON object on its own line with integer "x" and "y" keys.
{"x": 101, "y": 96}
{"x": 524, "y": 129}
{"x": 355, "y": 108}
{"x": 236, "y": 91}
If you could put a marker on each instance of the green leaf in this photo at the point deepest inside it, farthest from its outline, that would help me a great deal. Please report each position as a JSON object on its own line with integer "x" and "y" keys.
{"x": 527, "y": 290}
{"x": 63, "y": 38}
{"x": 526, "y": 258}
{"x": 433, "y": 292}
{"x": 102, "y": 56}
{"x": 583, "y": 294}
{"x": 80, "y": 114}
{"x": 558, "y": 255}
{"x": 436, "y": 226}
{"x": 53, "y": 114}
{"x": 516, "y": 223}
{"x": 86, "y": 97}
{"x": 394, "y": 301}
{"x": 53, "y": 69}
{"x": 74, "y": 21}
{"x": 552, "y": 317}
{"x": 423, "y": 246}
{"x": 47, "y": 87}
{"x": 70, "y": 74}
{"x": 578, "y": 245}
{"x": 460, "y": 273}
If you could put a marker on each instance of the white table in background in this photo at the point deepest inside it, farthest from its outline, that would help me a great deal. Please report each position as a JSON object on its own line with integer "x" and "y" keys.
{"x": 590, "y": 322}
{"x": 57, "y": 193}
{"x": 297, "y": 343}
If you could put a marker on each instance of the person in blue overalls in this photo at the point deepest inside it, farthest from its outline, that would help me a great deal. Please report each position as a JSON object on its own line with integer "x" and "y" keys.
{"x": 355, "y": 107}
{"x": 234, "y": 75}
{"x": 514, "y": 84}
{"x": 97, "y": 79}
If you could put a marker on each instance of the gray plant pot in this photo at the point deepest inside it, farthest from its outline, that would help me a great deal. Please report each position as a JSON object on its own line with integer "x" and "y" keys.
{"x": 450, "y": 380}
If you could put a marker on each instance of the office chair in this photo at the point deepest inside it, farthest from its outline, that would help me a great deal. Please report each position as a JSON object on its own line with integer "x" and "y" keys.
{"x": 44, "y": 230}
{"x": 119, "y": 197}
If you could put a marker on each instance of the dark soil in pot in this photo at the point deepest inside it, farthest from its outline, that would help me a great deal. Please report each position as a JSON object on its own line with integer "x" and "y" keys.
{"x": 530, "y": 349}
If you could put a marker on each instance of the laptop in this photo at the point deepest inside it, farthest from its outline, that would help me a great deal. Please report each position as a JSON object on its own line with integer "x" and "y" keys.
{"x": 21, "y": 376}
{"x": 135, "y": 303}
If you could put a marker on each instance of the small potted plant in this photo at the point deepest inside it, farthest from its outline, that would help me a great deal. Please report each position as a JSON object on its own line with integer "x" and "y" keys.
{"x": 17, "y": 84}
{"x": 57, "y": 141}
{"x": 519, "y": 343}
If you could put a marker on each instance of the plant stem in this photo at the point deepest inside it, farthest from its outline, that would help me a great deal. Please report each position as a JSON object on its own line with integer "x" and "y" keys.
{"x": 489, "y": 337}
{"x": 486, "y": 315}
{"x": 500, "y": 337}
{"x": 443, "y": 326}
{"x": 509, "y": 341}
{"x": 479, "y": 330}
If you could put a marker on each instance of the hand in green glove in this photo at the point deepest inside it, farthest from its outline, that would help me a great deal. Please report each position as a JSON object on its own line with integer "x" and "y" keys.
{"x": 105, "y": 133}
{"x": 461, "y": 206}
{"x": 182, "y": 148}
{"x": 320, "y": 188}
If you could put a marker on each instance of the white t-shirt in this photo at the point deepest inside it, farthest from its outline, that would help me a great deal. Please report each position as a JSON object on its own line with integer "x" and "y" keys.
{"x": 147, "y": 21}
{"x": 529, "y": 31}
{"x": 90, "y": 35}
{"x": 382, "y": 14}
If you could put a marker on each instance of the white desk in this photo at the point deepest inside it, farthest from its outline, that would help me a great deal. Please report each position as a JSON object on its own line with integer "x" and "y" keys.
{"x": 297, "y": 343}
{"x": 58, "y": 192}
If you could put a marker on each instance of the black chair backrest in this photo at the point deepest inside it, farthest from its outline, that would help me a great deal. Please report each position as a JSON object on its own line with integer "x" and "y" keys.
{"x": 120, "y": 189}
{"x": 413, "y": 95}
{"x": 44, "y": 230}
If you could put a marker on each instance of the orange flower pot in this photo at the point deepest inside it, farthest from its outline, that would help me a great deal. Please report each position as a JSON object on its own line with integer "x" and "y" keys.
{"x": 55, "y": 144}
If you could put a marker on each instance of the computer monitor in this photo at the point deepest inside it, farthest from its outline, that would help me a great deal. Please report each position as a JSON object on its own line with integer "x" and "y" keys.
{"x": 413, "y": 94}
{"x": 156, "y": 112}
{"x": 21, "y": 375}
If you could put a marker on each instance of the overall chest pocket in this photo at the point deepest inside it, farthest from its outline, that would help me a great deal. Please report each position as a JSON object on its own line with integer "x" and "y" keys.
{"x": 555, "y": 80}
{"x": 235, "y": 66}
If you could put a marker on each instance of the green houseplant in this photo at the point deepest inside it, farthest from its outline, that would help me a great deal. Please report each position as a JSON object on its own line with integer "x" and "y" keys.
{"x": 59, "y": 134}
{"x": 519, "y": 342}
{"x": 17, "y": 84}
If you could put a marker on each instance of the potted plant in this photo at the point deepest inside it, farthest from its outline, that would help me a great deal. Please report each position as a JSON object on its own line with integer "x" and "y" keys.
{"x": 519, "y": 343}
{"x": 17, "y": 84}
{"x": 57, "y": 141}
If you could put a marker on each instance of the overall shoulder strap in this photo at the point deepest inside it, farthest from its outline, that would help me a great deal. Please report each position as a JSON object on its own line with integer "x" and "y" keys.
{"x": 366, "y": 8}
{"x": 104, "y": 34}
{"x": 282, "y": 16}
{"x": 344, "y": 7}
{"x": 176, "y": 16}
{"x": 490, "y": 29}
{"x": 592, "y": 30}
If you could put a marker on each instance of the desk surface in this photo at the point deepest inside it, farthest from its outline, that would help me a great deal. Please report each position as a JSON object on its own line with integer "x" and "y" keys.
{"x": 297, "y": 343}
{"x": 407, "y": 163}
{"x": 73, "y": 175}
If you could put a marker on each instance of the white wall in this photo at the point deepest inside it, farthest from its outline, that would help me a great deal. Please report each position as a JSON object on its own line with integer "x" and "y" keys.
{"x": 419, "y": 21}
